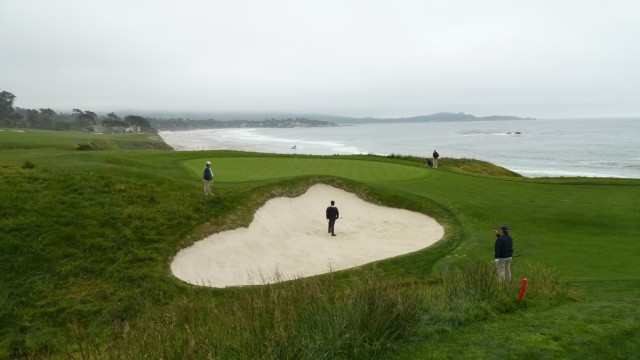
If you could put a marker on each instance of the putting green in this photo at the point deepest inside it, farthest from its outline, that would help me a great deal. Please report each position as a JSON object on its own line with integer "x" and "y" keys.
{"x": 234, "y": 169}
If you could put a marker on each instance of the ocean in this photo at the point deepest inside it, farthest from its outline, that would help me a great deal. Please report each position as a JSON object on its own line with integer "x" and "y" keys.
{"x": 532, "y": 148}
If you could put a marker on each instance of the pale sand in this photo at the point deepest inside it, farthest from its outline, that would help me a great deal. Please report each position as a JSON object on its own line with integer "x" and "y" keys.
{"x": 183, "y": 140}
{"x": 288, "y": 237}
{"x": 189, "y": 140}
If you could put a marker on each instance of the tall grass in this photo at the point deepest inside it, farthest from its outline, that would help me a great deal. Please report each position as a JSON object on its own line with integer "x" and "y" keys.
{"x": 313, "y": 318}
{"x": 368, "y": 316}
{"x": 471, "y": 291}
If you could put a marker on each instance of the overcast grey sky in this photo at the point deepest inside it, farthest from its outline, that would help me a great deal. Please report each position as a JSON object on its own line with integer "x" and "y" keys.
{"x": 544, "y": 58}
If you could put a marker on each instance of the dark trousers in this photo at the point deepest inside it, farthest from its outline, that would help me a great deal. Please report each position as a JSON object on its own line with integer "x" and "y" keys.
{"x": 332, "y": 222}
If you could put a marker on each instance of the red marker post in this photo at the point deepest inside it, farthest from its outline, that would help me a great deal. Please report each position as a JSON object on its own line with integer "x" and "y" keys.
{"x": 523, "y": 289}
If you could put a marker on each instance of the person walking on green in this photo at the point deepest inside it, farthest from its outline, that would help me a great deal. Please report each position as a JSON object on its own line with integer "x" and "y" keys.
{"x": 207, "y": 176}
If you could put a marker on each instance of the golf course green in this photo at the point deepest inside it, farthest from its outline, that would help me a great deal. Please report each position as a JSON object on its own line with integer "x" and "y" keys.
{"x": 89, "y": 224}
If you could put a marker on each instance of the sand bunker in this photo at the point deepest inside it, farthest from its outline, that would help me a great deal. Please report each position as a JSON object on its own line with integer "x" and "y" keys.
{"x": 289, "y": 237}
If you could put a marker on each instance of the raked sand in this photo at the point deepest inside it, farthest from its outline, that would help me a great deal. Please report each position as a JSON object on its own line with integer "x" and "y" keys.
{"x": 288, "y": 237}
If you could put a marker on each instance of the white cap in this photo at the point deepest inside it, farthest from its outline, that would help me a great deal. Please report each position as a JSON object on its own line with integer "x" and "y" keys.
{"x": 208, "y": 162}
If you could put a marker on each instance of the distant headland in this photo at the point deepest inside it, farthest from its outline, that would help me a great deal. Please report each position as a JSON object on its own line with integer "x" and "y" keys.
{"x": 165, "y": 121}
{"x": 438, "y": 117}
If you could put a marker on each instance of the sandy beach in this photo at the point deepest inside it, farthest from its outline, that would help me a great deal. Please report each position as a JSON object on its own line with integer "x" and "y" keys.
{"x": 202, "y": 139}
{"x": 288, "y": 239}
{"x": 183, "y": 140}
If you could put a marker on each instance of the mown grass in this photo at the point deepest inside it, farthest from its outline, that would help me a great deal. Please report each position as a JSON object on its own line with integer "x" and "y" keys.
{"x": 87, "y": 237}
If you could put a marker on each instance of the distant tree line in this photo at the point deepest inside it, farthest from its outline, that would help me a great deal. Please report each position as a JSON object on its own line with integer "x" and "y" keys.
{"x": 188, "y": 124}
{"x": 78, "y": 119}
{"x": 85, "y": 120}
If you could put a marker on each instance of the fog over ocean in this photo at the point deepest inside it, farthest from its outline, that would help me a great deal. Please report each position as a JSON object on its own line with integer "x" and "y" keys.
{"x": 533, "y": 148}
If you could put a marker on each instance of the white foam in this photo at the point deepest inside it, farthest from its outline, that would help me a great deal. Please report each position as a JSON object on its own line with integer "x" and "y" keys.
{"x": 251, "y": 140}
{"x": 563, "y": 173}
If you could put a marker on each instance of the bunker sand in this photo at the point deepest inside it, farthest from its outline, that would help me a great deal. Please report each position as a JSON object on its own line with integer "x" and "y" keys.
{"x": 288, "y": 239}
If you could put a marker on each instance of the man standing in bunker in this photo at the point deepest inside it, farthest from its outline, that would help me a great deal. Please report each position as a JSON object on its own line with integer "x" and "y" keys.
{"x": 332, "y": 216}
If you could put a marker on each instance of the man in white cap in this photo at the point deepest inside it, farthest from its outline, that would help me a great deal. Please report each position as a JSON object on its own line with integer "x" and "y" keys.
{"x": 207, "y": 176}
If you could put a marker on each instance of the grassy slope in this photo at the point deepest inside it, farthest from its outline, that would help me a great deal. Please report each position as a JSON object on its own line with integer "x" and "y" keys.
{"x": 585, "y": 231}
{"x": 77, "y": 140}
{"x": 86, "y": 235}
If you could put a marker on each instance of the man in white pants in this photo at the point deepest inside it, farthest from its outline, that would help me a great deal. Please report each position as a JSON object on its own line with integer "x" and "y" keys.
{"x": 503, "y": 253}
{"x": 436, "y": 156}
{"x": 207, "y": 176}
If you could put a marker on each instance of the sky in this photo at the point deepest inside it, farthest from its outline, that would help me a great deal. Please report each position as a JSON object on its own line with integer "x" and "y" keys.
{"x": 396, "y": 58}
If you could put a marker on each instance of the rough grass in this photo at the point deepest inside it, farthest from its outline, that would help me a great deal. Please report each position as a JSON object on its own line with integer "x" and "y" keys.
{"x": 463, "y": 166}
{"x": 11, "y": 139}
{"x": 369, "y": 316}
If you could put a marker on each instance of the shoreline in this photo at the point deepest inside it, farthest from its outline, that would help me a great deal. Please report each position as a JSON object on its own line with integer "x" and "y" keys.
{"x": 543, "y": 150}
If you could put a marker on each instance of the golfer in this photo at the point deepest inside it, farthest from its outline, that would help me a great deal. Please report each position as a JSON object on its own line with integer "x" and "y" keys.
{"x": 503, "y": 253}
{"x": 207, "y": 176}
{"x": 435, "y": 159}
{"x": 332, "y": 215}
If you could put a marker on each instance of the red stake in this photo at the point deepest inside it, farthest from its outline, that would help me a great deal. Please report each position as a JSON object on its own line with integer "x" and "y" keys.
{"x": 523, "y": 288}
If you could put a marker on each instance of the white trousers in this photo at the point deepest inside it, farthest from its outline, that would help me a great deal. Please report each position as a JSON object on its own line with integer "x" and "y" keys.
{"x": 503, "y": 265}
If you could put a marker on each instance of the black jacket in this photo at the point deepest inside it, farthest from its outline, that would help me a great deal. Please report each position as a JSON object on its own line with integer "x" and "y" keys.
{"x": 504, "y": 247}
{"x": 332, "y": 213}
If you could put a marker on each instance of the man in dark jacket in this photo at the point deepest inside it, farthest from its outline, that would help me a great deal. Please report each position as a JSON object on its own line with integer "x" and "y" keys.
{"x": 436, "y": 156}
{"x": 332, "y": 216}
{"x": 503, "y": 253}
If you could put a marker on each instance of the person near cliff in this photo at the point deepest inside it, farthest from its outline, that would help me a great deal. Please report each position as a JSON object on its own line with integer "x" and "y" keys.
{"x": 435, "y": 159}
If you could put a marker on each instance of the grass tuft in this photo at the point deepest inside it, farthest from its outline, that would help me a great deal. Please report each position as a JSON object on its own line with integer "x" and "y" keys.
{"x": 28, "y": 165}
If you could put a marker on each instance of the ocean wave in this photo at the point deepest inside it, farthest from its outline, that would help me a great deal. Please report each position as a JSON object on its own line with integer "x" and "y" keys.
{"x": 535, "y": 173}
{"x": 489, "y": 133}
